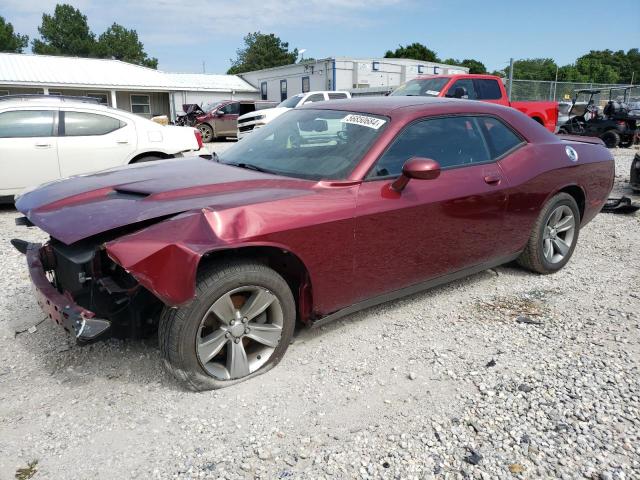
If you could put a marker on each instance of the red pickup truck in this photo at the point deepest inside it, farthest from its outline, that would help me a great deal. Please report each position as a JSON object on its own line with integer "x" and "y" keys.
{"x": 486, "y": 88}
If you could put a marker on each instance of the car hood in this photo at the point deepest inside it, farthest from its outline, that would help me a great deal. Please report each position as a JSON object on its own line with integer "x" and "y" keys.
{"x": 79, "y": 207}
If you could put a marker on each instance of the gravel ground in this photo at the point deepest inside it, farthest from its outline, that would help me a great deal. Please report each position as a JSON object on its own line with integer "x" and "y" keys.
{"x": 504, "y": 374}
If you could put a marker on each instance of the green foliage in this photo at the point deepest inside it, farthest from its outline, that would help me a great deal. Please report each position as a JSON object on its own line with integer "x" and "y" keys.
{"x": 262, "y": 51}
{"x": 474, "y": 66}
{"x": 66, "y": 32}
{"x": 9, "y": 40}
{"x": 123, "y": 44}
{"x": 534, "y": 69}
{"x": 415, "y": 51}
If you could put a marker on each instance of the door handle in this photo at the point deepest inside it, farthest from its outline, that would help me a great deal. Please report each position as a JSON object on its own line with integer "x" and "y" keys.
{"x": 42, "y": 145}
{"x": 492, "y": 179}
{"x": 122, "y": 142}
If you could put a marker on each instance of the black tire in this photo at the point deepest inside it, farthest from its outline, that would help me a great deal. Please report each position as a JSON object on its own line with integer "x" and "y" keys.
{"x": 634, "y": 174}
{"x": 148, "y": 158}
{"x": 562, "y": 131}
{"x": 178, "y": 331}
{"x": 611, "y": 138}
{"x": 532, "y": 258}
{"x": 208, "y": 135}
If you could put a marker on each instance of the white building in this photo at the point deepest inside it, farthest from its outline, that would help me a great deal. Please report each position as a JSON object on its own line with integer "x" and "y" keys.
{"x": 137, "y": 89}
{"x": 357, "y": 75}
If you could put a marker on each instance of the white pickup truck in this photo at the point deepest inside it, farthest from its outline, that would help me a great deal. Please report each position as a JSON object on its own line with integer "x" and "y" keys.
{"x": 250, "y": 121}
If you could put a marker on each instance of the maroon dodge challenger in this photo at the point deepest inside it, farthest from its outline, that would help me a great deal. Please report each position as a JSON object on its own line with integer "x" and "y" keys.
{"x": 331, "y": 208}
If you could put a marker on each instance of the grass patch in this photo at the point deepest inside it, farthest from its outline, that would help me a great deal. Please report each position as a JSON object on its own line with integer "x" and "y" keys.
{"x": 27, "y": 472}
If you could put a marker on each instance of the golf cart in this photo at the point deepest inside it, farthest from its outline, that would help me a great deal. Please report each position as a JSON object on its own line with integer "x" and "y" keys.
{"x": 616, "y": 124}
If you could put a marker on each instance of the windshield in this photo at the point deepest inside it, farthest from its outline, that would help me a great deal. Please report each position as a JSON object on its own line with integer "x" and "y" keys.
{"x": 425, "y": 87}
{"x": 291, "y": 102}
{"x": 308, "y": 144}
{"x": 209, "y": 106}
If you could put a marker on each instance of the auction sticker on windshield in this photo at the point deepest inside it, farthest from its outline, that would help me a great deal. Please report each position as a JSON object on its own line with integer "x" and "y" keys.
{"x": 364, "y": 121}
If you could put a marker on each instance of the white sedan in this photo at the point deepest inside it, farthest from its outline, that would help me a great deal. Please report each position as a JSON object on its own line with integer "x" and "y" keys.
{"x": 44, "y": 138}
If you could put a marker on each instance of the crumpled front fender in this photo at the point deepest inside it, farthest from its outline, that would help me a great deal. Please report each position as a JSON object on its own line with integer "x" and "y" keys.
{"x": 164, "y": 257}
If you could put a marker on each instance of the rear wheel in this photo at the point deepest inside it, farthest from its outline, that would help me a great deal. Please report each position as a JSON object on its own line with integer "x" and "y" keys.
{"x": 148, "y": 158}
{"x": 611, "y": 138}
{"x": 239, "y": 326}
{"x": 207, "y": 132}
{"x": 554, "y": 236}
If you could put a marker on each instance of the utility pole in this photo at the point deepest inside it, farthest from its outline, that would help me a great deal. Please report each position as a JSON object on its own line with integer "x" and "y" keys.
{"x": 633, "y": 74}
{"x": 203, "y": 69}
{"x": 510, "y": 78}
{"x": 555, "y": 85}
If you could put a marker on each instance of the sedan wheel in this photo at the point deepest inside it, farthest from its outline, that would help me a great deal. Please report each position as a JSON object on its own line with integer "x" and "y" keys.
{"x": 554, "y": 236}
{"x": 239, "y": 325}
{"x": 239, "y": 332}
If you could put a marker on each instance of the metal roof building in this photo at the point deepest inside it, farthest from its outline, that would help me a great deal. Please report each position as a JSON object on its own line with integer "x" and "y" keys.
{"x": 119, "y": 84}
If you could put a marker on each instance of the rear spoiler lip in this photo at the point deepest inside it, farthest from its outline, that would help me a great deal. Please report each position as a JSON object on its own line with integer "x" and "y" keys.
{"x": 581, "y": 139}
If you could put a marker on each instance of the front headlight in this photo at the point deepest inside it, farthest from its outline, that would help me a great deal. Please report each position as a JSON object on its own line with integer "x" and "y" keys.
{"x": 258, "y": 117}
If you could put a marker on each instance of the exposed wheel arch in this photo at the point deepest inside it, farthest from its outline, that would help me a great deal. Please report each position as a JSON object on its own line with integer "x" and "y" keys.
{"x": 578, "y": 195}
{"x": 284, "y": 262}
{"x": 140, "y": 156}
{"x": 538, "y": 119}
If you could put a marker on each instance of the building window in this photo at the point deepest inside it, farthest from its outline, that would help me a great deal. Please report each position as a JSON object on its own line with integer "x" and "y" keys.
{"x": 283, "y": 90}
{"x": 375, "y": 66}
{"x": 101, "y": 96}
{"x": 4, "y": 92}
{"x": 306, "y": 85}
{"x": 263, "y": 90}
{"x": 420, "y": 68}
{"x": 141, "y": 104}
{"x": 54, "y": 93}
{"x": 436, "y": 70}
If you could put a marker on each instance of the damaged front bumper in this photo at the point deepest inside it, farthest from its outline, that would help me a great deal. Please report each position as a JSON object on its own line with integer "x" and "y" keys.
{"x": 61, "y": 308}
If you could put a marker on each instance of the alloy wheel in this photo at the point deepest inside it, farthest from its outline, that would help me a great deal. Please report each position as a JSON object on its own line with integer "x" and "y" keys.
{"x": 239, "y": 332}
{"x": 559, "y": 232}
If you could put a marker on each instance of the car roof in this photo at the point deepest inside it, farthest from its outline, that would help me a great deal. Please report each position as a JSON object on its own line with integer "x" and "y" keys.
{"x": 381, "y": 105}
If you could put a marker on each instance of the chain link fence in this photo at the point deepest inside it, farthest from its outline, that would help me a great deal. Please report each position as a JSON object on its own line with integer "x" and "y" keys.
{"x": 561, "y": 91}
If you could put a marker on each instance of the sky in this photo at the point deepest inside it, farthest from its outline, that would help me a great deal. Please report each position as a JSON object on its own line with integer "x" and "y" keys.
{"x": 185, "y": 35}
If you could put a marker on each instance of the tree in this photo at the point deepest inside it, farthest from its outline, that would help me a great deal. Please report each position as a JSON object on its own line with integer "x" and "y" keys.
{"x": 474, "y": 66}
{"x": 123, "y": 44}
{"x": 533, "y": 69}
{"x": 262, "y": 51}
{"x": 9, "y": 40}
{"x": 66, "y": 32}
{"x": 415, "y": 51}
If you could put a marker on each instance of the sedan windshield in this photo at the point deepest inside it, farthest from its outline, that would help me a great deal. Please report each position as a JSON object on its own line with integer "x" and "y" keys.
{"x": 421, "y": 87}
{"x": 291, "y": 102}
{"x": 309, "y": 144}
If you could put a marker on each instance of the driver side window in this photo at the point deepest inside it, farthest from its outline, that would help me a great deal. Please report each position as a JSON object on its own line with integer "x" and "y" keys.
{"x": 450, "y": 141}
{"x": 467, "y": 85}
{"x": 231, "y": 109}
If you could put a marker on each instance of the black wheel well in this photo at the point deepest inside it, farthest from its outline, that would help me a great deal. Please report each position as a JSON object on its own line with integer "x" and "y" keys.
{"x": 150, "y": 154}
{"x": 539, "y": 120}
{"x": 287, "y": 264}
{"x": 578, "y": 195}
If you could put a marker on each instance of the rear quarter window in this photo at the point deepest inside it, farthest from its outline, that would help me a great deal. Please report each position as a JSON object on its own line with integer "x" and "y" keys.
{"x": 501, "y": 139}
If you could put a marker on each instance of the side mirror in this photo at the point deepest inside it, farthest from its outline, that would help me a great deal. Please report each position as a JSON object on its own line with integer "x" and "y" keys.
{"x": 219, "y": 113}
{"x": 419, "y": 168}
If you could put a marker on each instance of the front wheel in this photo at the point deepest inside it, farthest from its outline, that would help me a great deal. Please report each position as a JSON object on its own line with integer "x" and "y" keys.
{"x": 554, "y": 236}
{"x": 207, "y": 133}
{"x": 239, "y": 325}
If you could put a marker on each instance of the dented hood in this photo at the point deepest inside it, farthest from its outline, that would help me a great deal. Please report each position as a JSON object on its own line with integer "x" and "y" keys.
{"x": 80, "y": 207}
